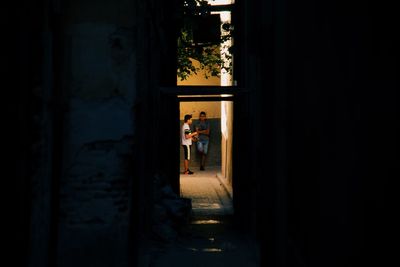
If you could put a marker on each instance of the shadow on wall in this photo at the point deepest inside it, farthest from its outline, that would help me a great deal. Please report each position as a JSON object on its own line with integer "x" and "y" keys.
{"x": 214, "y": 147}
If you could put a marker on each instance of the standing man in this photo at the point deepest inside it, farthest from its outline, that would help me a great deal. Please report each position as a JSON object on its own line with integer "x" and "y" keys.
{"x": 187, "y": 135}
{"x": 203, "y": 129}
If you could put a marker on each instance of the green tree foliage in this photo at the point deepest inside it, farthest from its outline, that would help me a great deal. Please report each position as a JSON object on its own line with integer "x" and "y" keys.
{"x": 207, "y": 53}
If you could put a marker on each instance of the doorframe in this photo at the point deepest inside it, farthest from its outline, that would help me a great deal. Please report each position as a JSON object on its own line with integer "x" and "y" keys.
{"x": 169, "y": 111}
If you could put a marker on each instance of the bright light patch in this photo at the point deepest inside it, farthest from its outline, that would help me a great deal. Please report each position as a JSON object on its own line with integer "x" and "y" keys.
{"x": 212, "y": 250}
{"x": 220, "y": 2}
{"x": 207, "y": 222}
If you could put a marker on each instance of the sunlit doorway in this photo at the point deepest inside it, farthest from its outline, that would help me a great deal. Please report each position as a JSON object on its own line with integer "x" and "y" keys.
{"x": 210, "y": 187}
{"x": 210, "y": 238}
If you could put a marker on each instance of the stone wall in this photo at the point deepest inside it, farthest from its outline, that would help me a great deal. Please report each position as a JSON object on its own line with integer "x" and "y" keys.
{"x": 98, "y": 71}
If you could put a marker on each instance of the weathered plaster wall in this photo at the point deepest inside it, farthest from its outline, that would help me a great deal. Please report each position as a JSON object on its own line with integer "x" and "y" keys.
{"x": 212, "y": 109}
{"x": 200, "y": 78}
{"x": 99, "y": 75}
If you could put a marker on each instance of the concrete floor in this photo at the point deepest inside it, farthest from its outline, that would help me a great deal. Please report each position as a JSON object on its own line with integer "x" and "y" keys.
{"x": 209, "y": 192}
{"x": 210, "y": 239}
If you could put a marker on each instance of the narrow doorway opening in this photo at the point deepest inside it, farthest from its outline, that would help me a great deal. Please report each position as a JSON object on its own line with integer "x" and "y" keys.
{"x": 211, "y": 236}
{"x": 205, "y": 59}
{"x": 210, "y": 158}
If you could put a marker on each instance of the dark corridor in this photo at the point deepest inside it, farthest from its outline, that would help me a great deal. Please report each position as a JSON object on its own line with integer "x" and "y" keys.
{"x": 316, "y": 106}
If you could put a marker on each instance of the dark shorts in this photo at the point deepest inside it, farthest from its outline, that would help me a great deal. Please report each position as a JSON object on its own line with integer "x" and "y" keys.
{"x": 186, "y": 151}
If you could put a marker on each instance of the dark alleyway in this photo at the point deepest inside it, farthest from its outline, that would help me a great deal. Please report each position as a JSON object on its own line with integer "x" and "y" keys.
{"x": 92, "y": 135}
{"x": 211, "y": 238}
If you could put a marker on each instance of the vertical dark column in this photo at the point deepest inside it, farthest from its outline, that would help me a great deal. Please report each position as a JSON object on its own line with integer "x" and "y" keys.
{"x": 56, "y": 27}
{"x": 242, "y": 180}
{"x": 168, "y": 110}
{"x": 262, "y": 42}
{"x": 23, "y": 141}
{"x": 153, "y": 114}
{"x": 142, "y": 118}
{"x": 241, "y": 147}
{"x": 170, "y": 140}
{"x": 16, "y": 136}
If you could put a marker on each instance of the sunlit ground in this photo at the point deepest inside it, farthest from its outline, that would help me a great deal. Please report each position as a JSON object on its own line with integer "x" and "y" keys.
{"x": 208, "y": 193}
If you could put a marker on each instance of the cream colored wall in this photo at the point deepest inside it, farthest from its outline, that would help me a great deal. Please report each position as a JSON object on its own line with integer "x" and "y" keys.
{"x": 212, "y": 109}
{"x": 199, "y": 78}
{"x": 226, "y": 141}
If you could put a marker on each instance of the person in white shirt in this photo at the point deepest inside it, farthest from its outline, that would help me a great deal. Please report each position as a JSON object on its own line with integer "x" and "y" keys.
{"x": 186, "y": 138}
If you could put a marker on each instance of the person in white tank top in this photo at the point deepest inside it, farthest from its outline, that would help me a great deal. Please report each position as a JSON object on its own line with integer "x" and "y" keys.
{"x": 186, "y": 140}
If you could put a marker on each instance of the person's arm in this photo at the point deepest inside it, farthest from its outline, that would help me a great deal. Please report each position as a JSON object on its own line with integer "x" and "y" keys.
{"x": 189, "y": 135}
{"x": 206, "y": 131}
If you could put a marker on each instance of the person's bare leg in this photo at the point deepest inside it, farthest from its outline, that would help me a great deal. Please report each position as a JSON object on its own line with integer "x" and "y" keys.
{"x": 186, "y": 165}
